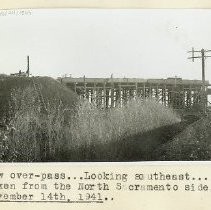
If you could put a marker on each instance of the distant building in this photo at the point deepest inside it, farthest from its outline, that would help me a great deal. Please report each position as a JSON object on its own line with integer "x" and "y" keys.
{"x": 20, "y": 74}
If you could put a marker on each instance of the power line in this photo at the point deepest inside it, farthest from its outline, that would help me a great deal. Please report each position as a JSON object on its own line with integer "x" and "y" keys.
{"x": 202, "y": 55}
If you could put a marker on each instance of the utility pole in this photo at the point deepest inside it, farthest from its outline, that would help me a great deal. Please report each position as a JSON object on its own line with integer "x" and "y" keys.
{"x": 202, "y": 55}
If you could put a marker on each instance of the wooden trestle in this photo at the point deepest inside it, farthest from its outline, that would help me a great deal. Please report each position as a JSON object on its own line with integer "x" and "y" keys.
{"x": 108, "y": 92}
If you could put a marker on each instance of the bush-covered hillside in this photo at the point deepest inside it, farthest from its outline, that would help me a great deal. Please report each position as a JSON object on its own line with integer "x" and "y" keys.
{"x": 50, "y": 89}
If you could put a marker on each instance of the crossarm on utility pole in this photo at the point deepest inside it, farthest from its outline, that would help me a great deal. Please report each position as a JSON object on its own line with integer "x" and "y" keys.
{"x": 194, "y": 57}
{"x": 202, "y": 57}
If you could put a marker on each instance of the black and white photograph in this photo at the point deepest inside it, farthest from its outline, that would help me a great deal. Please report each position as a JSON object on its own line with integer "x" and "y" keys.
{"x": 105, "y": 85}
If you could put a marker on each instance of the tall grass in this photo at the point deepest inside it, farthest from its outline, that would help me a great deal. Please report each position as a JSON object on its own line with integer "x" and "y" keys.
{"x": 34, "y": 135}
{"x": 105, "y": 125}
{"x": 58, "y": 134}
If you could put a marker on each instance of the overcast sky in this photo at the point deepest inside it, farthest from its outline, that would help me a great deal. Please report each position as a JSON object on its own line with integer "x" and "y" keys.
{"x": 98, "y": 43}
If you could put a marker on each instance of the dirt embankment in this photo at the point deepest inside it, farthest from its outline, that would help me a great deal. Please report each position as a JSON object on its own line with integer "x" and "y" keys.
{"x": 186, "y": 140}
{"x": 33, "y": 114}
{"x": 50, "y": 89}
{"x": 140, "y": 147}
{"x": 193, "y": 143}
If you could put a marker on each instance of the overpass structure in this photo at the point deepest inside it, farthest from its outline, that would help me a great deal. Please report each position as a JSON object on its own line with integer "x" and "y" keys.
{"x": 109, "y": 92}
